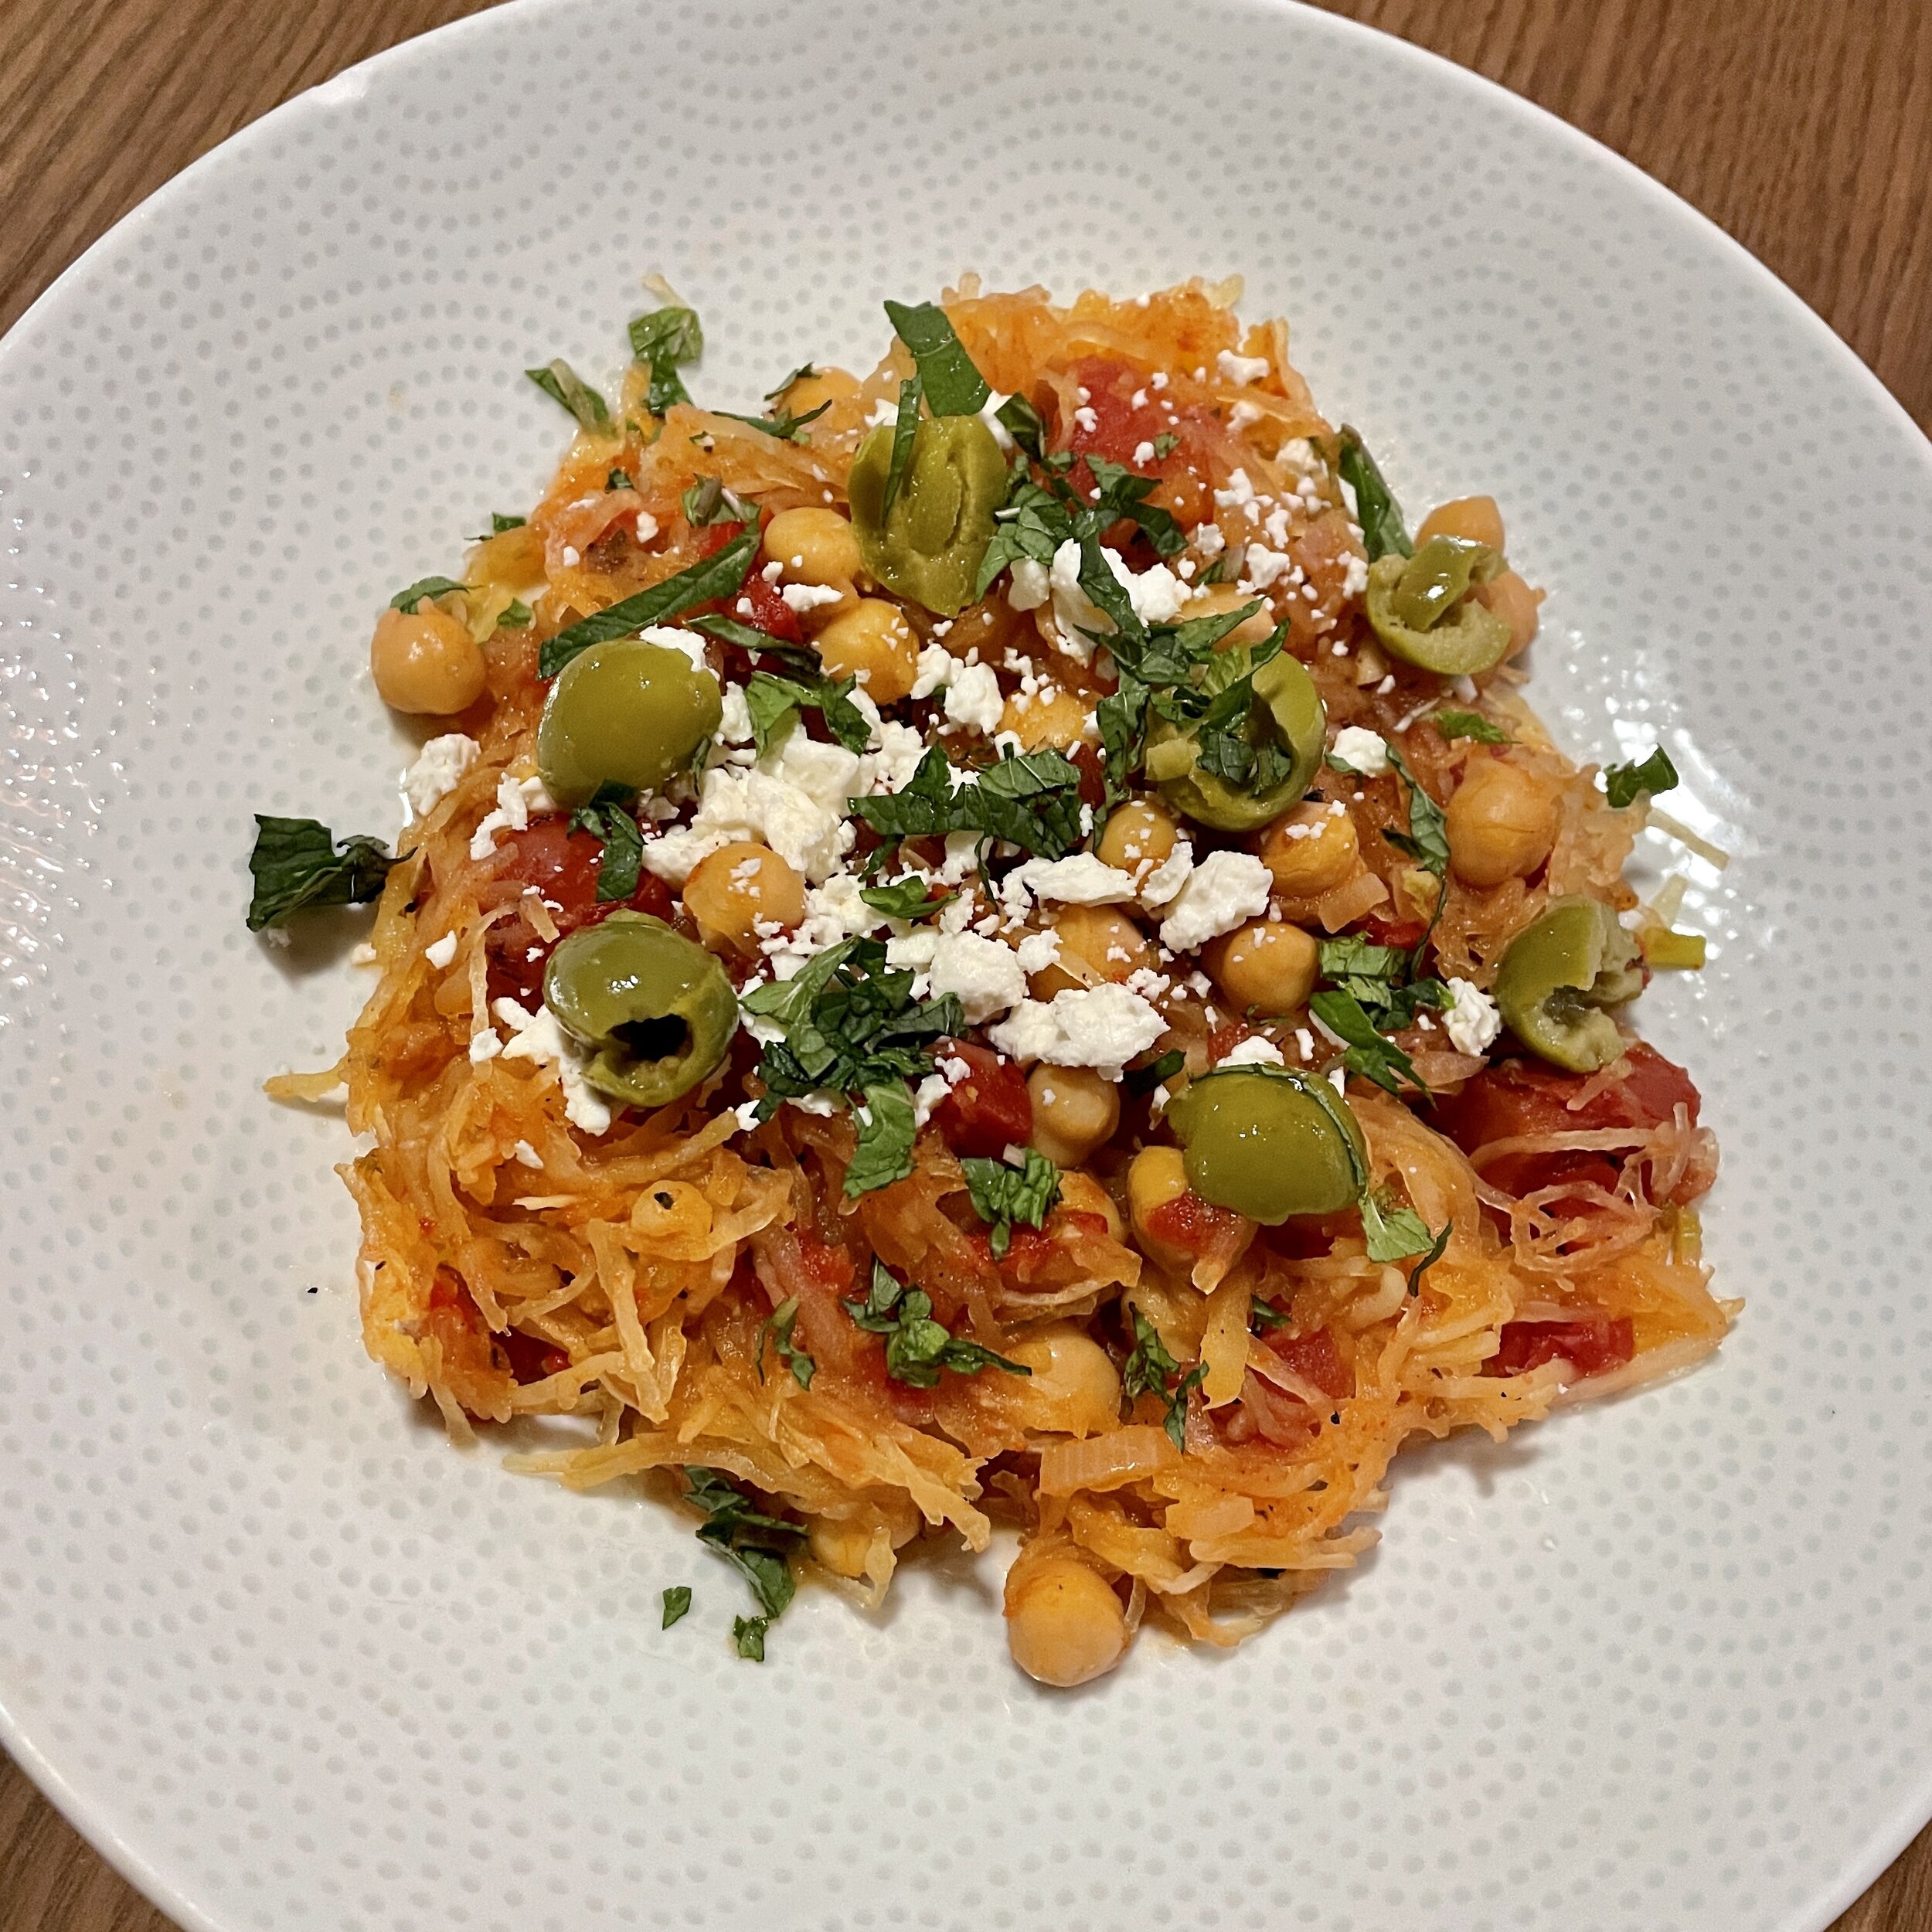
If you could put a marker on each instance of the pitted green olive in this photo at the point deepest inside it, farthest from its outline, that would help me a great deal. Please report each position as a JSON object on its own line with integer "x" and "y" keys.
{"x": 928, "y": 549}
{"x": 623, "y": 712}
{"x": 1558, "y": 975}
{"x": 656, "y": 1008}
{"x": 1270, "y": 1142}
{"x": 1421, "y": 609}
{"x": 1288, "y": 713}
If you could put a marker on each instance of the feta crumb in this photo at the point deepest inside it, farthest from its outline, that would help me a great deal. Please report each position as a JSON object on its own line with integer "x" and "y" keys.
{"x": 539, "y": 1038}
{"x": 1254, "y": 1052}
{"x": 1241, "y": 369}
{"x": 1164, "y": 881}
{"x": 883, "y": 411}
{"x": 525, "y": 1155}
{"x": 985, "y": 974}
{"x": 1143, "y": 452}
{"x": 1361, "y": 750}
{"x": 989, "y": 414}
{"x": 746, "y": 1113}
{"x": 1037, "y": 951}
{"x": 734, "y": 722}
{"x": 927, "y": 1096}
{"x": 440, "y": 952}
{"x": 803, "y": 598}
{"x": 484, "y": 1046}
{"x": 1082, "y": 880}
{"x": 1028, "y": 586}
{"x": 1473, "y": 1021}
{"x": 516, "y": 798}
{"x": 439, "y": 767}
{"x": 1265, "y": 567}
{"x": 934, "y": 671}
{"x": 361, "y": 955}
{"x": 1355, "y": 577}
{"x": 1102, "y": 1027}
{"x": 1225, "y": 889}
{"x": 673, "y": 637}
{"x": 973, "y": 698}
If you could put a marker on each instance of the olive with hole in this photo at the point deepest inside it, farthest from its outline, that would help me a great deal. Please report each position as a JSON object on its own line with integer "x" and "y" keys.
{"x": 1269, "y": 1142}
{"x": 1558, "y": 976}
{"x": 627, "y": 713}
{"x": 655, "y": 1009}
{"x": 1421, "y": 608}
{"x": 1287, "y": 714}
{"x": 928, "y": 546}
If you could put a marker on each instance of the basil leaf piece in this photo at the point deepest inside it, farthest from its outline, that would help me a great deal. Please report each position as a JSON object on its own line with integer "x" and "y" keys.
{"x": 748, "y": 1634}
{"x": 295, "y": 865}
{"x": 1366, "y": 1051}
{"x": 1106, "y": 592}
{"x": 954, "y": 385}
{"x": 1392, "y": 1231}
{"x": 904, "y": 898}
{"x": 499, "y": 523}
{"x": 1623, "y": 784}
{"x": 917, "y": 1347}
{"x": 1165, "y": 444}
{"x": 1147, "y": 1371}
{"x": 406, "y": 600}
{"x": 799, "y": 374}
{"x": 1469, "y": 724}
{"x": 516, "y": 615}
{"x": 905, "y": 429}
{"x": 772, "y": 700}
{"x": 785, "y": 426}
{"x": 708, "y": 501}
{"x": 756, "y": 1546}
{"x": 1264, "y": 1317}
{"x": 607, "y": 817}
{"x": 1004, "y": 1196}
{"x": 1121, "y": 491}
{"x": 886, "y": 1132}
{"x": 1376, "y": 511}
{"x": 563, "y": 386}
{"x": 1430, "y": 1260}
{"x": 1157, "y": 1072}
{"x": 1031, "y": 802}
{"x": 715, "y": 576}
{"x": 778, "y": 1326}
{"x": 618, "y": 480}
{"x": 1024, "y": 424}
{"x": 1427, "y": 841}
{"x": 661, "y": 340}
{"x": 677, "y": 1604}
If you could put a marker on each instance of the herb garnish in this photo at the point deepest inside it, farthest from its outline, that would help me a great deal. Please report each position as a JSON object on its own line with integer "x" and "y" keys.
{"x": 756, "y": 1546}
{"x": 677, "y": 1603}
{"x": 295, "y": 865}
{"x": 1364, "y": 1051}
{"x": 905, "y": 899}
{"x": 516, "y": 615}
{"x": 715, "y": 576}
{"x": 608, "y": 817}
{"x": 661, "y": 340}
{"x": 1376, "y": 511}
{"x": 406, "y": 600}
{"x": 1148, "y": 1370}
{"x": 1003, "y": 1195}
{"x": 563, "y": 385}
{"x": 1623, "y": 784}
{"x": 748, "y": 1634}
{"x": 785, "y": 426}
{"x": 917, "y": 1347}
{"x": 778, "y": 1326}
{"x": 1392, "y": 1230}
{"x": 772, "y": 701}
{"x": 1469, "y": 724}
{"x": 1031, "y": 800}
{"x": 953, "y": 386}
{"x": 905, "y": 431}
{"x": 618, "y": 480}
{"x": 708, "y": 501}
{"x": 799, "y": 374}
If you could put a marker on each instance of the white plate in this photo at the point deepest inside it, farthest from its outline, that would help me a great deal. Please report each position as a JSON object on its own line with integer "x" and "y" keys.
{"x": 291, "y": 1662}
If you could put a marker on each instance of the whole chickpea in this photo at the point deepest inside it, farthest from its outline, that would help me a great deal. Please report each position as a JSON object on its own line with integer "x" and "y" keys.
{"x": 1216, "y": 600}
{"x": 734, "y": 889}
{"x": 1141, "y": 833}
{"x": 822, "y": 385}
{"x": 1074, "y": 1387}
{"x": 1157, "y": 1176}
{"x": 1267, "y": 966}
{"x": 1515, "y": 602}
{"x": 425, "y": 661}
{"x": 1056, "y": 718}
{"x": 872, "y": 642}
{"x": 1501, "y": 820}
{"x": 1474, "y": 518}
{"x": 813, "y": 546}
{"x": 1103, "y": 940}
{"x": 1064, "y": 1623}
{"x": 1075, "y": 1111}
{"x": 1310, "y": 850}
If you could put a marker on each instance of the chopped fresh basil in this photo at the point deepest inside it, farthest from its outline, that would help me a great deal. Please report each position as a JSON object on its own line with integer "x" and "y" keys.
{"x": 1165, "y": 445}
{"x": 1469, "y": 724}
{"x": 661, "y": 342}
{"x": 1429, "y": 1260}
{"x": 708, "y": 501}
{"x": 1122, "y": 494}
{"x": 563, "y": 385}
{"x": 1392, "y": 1230}
{"x": 1003, "y": 1195}
{"x": 1383, "y": 533}
{"x": 618, "y": 480}
{"x": 799, "y": 374}
{"x": 607, "y": 817}
{"x": 953, "y": 386}
{"x": 1156, "y": 1073}
{"x": 778, "y": 1326}
{"x": 905, "y": 899}
{"x": 886, "y": 1131}
{"x": 295, "y": 865}
{"x": 715, "y": 576}
{"x": 1377, "y": 978}
{"x": 1024, "y": 424}
{"x": 406, "y": 600}
{"x": 772, "y": 701}
{"x": 516, "y": 615}
{"x": 1033, "y": 801}
{"x": 917, "y": 1347}
{"x": 1426, "y": 841}
{"x": 677, "y": 1604}
{"x": 499, "y": 523}
{"x": 756, "y": 1546}
{"x": 1366, "y": 1051}
{"x": 1148, "y": 1370}
{"x": 785, "y": 426}
{"x": 748, "y": 1634}
{"x": 1264, "y": 1317}
{"x": 1218, "y": 571}
{"x": 1623, "y": 785}
{"x": 905, "y": 429}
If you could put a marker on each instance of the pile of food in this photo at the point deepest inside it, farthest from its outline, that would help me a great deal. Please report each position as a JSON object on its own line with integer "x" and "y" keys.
{"x": 993, "y": 943}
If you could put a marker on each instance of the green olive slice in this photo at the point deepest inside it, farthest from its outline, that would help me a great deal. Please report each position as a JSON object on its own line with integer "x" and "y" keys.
{"x": 1421, "y": 609}
{"x": 1288, "y": 708}
{"x": 928, "y": 548}
{"x": 623, "y": 712}
{"x": 1558, "y": 975}
{"x": 1269, "y": 1142}
{"x": 657, "y": 1008}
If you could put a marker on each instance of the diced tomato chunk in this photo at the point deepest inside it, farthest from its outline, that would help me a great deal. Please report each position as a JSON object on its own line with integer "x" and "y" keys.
{"x": 1090, "y": 762}
{"x": 1224, "y": 1039}
{"x": 1514, "y": 1098}
{"x": 1589, "y": 1346}
{"x": 758, "y": 604}
{"x": 987, "y": 1111}
{"x": 1111, "y": 424}
{"x": 1190, "y": 1223}
{"x": 1315, "y": 1358}
{"x": 1403, "y": 934}
{"x": 531, "y": 1359}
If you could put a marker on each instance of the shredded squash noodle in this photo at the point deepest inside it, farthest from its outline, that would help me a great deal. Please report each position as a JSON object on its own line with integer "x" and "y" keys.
{"x": 1229, "y": 1079}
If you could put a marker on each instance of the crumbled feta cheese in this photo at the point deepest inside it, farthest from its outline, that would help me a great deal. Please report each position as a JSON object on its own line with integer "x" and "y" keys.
{"x": 883, "y": 411}
{"x": 1102, "y": 1027}
{"x": 516, "y": 798}
{"x": 1241, "y": 369}
{"x": 1086, "y": 419}
{"x": 973, "y": 698}
{"x": 361, "y": 955}
{"x": 1473, "y": 1023}
{"x": 1361, "y": 750}
{"x": 1143, "y": 452}
{"x": 484, "y": 1046}
{"x": 1037, "y": 951}
{"x": 820, "y": 1102}
{"x": 803, "y": 598}
{"x": 1028, "y": 585}
{"x": 1074, "y": 612}
{"x": 1225, "y": 889}
{"x": 1082, "y": 880}
{"x": 989, "y": 414}
{"x": 1167, "y": 879}
{"x": 985, "y": 974}
{"x": 834, "y": 913}
{"x": 927, "y": 1096}
{"x": 1208, "y": 539}
{"x": 675, "y": 637}
{"x": 440, "y": 952}
{"x": 1240, "y": 493}
{"x": 794, "y": 800}
{"x": 539, "y": 1038}
{"x": 1253, "y": 1051}
{"x": 439, "y": 767}
{"x": 1265, "y": 567}
{"x": 890, "y": 765}
{"x": 525, "y": 1155}
{"x": 1243, "y": 414}
{"x": 1156, "y": 594}
{"x": 734, "y": 725}
{"x": 962, "y": 857}
{"x": 935, "y": 670}
{"x": 1355, "y": 576}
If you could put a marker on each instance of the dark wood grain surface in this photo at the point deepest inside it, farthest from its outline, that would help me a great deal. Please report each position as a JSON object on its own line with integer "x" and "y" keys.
{"x": 1803, "y": 127}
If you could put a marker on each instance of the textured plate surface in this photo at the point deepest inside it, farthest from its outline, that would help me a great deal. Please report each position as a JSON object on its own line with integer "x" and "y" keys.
{"x": 293, "y": 1662}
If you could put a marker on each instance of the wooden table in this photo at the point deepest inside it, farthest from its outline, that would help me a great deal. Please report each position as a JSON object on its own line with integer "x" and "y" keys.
{"x": 1803, "y": 126}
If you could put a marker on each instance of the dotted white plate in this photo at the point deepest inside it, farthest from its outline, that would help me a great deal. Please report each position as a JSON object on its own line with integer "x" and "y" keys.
{"x": 294, "y": 1664}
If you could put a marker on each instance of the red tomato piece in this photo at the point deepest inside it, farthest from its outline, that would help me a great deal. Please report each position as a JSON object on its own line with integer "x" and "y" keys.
{"x": 1190, "y": 1223}
{"x": 987, "y": 1111}
{"x": 1090, "y": 762}
{"x": 1113, "y": 425}
{"x": 1315, "y": 1358}
{"x": 1224, "y": 1039}
{"x": 1589, "y": 1346}
{"x": 1403, "y": 934}
{"x": 530, "y": 1359}
{"x": 758, "y": 604}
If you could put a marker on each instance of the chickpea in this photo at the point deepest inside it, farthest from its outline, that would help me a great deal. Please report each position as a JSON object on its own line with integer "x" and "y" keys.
{"x": 426, "y": 661}
{"x": 733, "y": 891}
{"x": 1142, "y": 833}
{"x": 1474, "y": 518}
{"x": 1157, "y": 1176}
{"x": 1501, "y": 820}
{"x": 1103, "y": 941}
{"x": 1074, "y": 1111}
{"x": 1267, "y": 966}
{"x": 1074, "y": 1387}
{"x": 871, "y": 642}
{"x": 842, "y": 1544}
{"x": 1310, "y": 849}
{"x": 1064, "y": 1623}
{"x": 1513, "y": 600}
{"x": 1056, "y": 718}
{"x": 813, "y": 546}
{"x": 822, "y": 385}
{"x": 1219, "y": 598}
{"x": 1081, "y": 1192}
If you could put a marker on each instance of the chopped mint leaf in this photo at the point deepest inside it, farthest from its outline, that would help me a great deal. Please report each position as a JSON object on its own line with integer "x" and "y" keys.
{"x": 563, "y": 385}
{"x": 677, "y": 1603}
{"x": 432, "y": 587}
{"x": 714, "y": 577}
{"x": 778, "y": 1326}
{"x": 295, "y": 865}
{"x": 662, "y": 341}
{"x": 917, "y": 1347}
{"x": 1003, "y": 1196}
{"x": 1623, "y": 785}
{"x": 1376, "y": 511}
{"x": 953, "y": 386}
